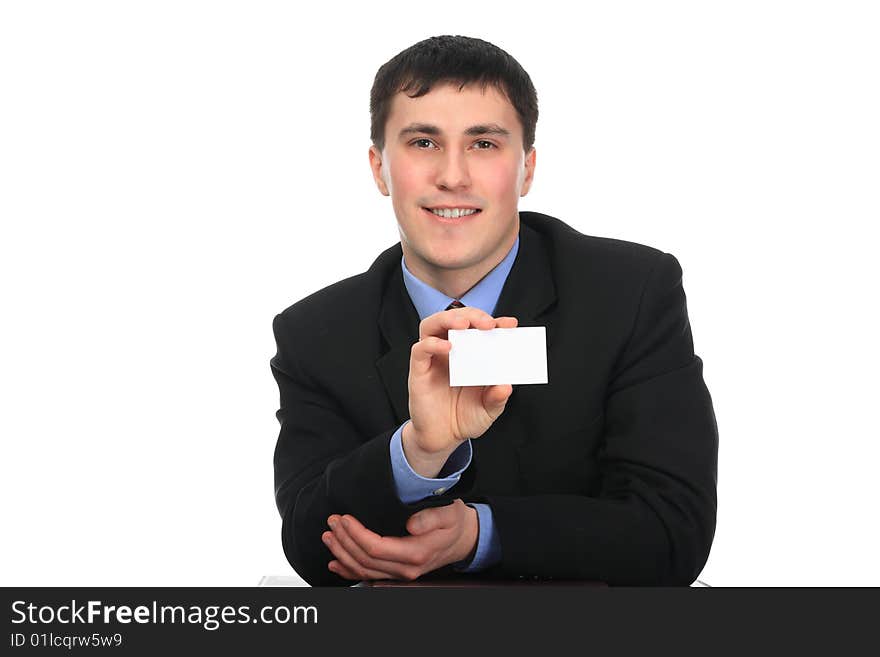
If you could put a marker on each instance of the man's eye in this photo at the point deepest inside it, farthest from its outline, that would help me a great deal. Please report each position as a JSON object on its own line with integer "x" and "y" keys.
{"x": 423, "y": 143}
{"x": 483, "y": 145}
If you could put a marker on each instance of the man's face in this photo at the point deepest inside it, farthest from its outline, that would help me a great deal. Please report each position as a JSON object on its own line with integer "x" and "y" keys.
{"x": 454, "y": 149}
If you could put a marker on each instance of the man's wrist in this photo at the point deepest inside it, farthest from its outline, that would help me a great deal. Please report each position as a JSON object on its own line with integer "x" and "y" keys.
{"x": 426, "y": 464}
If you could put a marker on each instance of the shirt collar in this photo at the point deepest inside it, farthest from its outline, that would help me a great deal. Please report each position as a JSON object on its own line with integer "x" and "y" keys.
{"x": 484, "y": 295}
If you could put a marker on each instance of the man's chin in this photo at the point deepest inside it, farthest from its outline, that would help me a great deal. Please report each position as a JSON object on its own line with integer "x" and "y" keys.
{"x": 453, "y": 261}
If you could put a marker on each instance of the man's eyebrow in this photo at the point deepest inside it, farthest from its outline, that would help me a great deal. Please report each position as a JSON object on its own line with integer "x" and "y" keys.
{"x": 473, "y": 131}
{"x": 423, "y": 128}
{"x": 487, "y": 129}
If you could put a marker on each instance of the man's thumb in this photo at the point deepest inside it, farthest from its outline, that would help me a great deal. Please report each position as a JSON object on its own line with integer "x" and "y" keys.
{"x": 420, "y": 523}
{"x": 495, "y": 398}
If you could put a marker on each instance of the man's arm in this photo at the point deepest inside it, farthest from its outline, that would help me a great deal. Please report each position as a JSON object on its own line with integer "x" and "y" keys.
{"x": 323, "y": 465}
{"x": 653, "y": 518}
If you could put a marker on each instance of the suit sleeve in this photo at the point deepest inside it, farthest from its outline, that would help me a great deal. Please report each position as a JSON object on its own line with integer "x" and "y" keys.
{"x": 323, "y": 465}
{"x": 652, "y": 520}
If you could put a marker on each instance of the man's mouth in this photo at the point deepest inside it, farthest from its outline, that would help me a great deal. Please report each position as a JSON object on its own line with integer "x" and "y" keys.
{"x": 452, "y": 213}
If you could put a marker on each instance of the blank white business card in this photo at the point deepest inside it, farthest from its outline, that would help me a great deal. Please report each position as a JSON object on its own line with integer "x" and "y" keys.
{"x": 498, "y": 356}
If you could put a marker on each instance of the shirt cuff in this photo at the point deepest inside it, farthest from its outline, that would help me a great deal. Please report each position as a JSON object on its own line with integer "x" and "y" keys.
{"x": 411, "y": 486}
{"x": 488, "y": 551}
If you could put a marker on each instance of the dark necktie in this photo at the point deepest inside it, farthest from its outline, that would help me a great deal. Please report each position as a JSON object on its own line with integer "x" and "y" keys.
{"x": 455, "y": 304}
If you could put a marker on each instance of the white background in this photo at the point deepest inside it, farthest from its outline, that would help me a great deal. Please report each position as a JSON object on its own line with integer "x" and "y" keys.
{"x": 172, "y": 174}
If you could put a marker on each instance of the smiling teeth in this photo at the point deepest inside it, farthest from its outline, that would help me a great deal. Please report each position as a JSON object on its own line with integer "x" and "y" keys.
{"x": 453, "y": 213}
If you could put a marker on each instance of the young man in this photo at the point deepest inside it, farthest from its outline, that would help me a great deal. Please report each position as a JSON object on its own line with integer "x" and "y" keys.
{"x": 384, "y": 471}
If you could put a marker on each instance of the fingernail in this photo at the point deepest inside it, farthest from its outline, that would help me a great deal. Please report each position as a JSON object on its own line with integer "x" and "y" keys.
{"x": 332, "y": 523}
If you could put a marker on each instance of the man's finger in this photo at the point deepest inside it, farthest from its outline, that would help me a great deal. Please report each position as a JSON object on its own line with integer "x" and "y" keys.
{"x": 506, "y": 322}
{"x": 423, "y": 350}
{"x": 359, "y": 554}
{"x": 459, "y": 318}
{"x": 336, "y": 567}
{"x": 495, "y": 398}
{"x": 406, "y": 551}
{"x": 351, "y": 565}
{"x": 428, "y": 520}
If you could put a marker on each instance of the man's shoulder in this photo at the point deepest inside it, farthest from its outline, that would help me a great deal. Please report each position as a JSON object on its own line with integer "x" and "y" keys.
{"x": 351, "y": 297}
{"x": 573, "y": 251}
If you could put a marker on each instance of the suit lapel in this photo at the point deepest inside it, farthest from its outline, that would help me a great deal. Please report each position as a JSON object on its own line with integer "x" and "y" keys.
{"x": 399, "y": 323}
{"x": 528, "y": 291}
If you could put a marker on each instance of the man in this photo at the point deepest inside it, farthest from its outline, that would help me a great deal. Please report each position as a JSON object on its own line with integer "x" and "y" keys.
{"x": 384, "y": 471}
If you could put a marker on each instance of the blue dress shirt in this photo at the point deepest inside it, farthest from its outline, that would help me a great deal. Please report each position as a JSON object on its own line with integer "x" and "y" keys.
{"x": 411, "y": 486}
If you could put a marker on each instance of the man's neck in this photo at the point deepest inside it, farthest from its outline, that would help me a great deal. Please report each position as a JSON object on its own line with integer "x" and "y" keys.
{"x": 455, "y": 283}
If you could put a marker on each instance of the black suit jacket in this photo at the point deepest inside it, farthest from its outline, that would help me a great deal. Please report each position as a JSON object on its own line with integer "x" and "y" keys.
{"x": 606, "y": 473}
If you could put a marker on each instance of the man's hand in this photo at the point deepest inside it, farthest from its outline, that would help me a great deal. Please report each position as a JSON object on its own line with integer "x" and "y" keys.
{"x": 438, "y": 536}
{"x": 443, "y": 417}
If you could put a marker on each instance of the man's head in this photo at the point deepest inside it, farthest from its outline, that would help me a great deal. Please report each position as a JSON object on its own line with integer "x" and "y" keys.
{"x": 453, "y": 126}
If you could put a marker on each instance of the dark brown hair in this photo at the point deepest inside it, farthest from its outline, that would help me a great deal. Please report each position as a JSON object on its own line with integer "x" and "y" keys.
{"x": 452, "y": 59}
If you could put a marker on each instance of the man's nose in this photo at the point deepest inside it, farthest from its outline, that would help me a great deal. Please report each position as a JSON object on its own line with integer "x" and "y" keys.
{"x": 453, "y": 172}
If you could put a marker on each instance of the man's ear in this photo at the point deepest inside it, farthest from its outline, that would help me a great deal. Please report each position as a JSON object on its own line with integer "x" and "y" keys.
{"x": 378, "y": 171}
{"x": 530, "y": 172}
